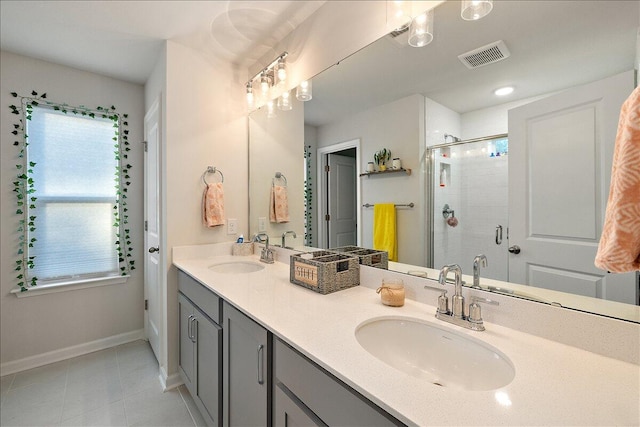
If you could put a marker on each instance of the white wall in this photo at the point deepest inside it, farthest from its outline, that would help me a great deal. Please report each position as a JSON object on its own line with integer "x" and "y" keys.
{"x": 46, "y": 323}
{"x": 398, "y": 126}
{"x": 205, "y": 124}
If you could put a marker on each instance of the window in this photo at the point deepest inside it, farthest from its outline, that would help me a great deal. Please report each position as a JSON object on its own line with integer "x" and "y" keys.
{"x": 76, "y": 181}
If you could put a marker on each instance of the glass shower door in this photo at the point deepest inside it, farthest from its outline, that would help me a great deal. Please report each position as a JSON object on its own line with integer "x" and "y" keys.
{"x": 469, "y": 199}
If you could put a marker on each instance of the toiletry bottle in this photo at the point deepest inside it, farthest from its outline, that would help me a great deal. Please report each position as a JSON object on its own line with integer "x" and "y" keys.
{"x": 443, "y": 177}
{"x": 240, "y": 239}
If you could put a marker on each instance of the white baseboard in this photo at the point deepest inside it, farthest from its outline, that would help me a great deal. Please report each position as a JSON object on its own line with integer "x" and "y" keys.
{"x": 69, "y": 352}
{"x": 169, "y": 382}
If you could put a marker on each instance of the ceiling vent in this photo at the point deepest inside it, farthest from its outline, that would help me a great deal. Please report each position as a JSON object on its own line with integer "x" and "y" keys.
{"x": 400, "y": 36}
{"x": 493, "y": 52}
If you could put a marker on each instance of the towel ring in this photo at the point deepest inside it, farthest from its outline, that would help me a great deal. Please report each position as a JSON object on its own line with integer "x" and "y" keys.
{"x": 279, "y": 175}
{"x": 211, "y": 169}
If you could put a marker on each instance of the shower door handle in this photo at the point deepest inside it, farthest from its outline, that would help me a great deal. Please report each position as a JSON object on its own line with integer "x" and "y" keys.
{"x": 499, "y": 235}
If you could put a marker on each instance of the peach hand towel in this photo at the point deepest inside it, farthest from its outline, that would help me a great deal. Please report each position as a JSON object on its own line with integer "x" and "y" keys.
{"x": 384, "y": 229}
{"x": 213, "y": 205}
{"x": 619, "y": 248}
{"x": 279, "y": 204}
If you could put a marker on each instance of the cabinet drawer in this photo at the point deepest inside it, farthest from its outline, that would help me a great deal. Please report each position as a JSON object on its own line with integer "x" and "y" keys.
{"x": 332, "y": 401}
{"x": 200, "y": 295}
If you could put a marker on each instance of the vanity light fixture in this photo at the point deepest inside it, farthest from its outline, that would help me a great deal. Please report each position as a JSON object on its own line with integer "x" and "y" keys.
{"x": 472, "y": 10}
{"x": 304, "y": 91}
{"x": 503, "y": 91}
{"x": 269, "y": 78}
{"x": 421, "y": 29}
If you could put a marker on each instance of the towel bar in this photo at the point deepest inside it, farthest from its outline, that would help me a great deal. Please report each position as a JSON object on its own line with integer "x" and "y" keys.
{"x": 408, "y": 205}
{"x": 211, "y": 169}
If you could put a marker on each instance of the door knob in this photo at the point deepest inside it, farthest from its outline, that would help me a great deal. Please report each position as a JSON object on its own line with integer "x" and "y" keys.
{"x": 157, "y": 249}
{"x": 515, "y": 249}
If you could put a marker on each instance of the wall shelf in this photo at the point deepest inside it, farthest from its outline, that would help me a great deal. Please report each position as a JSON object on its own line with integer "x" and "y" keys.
{"x": 368, "y": 174}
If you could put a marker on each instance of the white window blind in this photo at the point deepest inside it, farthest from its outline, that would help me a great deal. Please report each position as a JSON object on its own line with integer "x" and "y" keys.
{"x": 76, "y": 189}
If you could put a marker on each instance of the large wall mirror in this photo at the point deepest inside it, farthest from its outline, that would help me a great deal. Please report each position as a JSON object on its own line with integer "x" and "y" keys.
{"x": 528, "y": 170}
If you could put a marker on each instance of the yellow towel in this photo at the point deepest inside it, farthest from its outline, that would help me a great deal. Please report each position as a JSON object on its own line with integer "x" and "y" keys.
{"x": 619, "y": 248}
{"x": 213, "y": 205}
{"x": 384, "y": 229}
{"x": 278, "y": 204}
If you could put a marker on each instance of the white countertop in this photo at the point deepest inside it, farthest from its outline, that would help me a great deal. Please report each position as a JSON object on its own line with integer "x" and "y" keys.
{"x": 554, "y": 384}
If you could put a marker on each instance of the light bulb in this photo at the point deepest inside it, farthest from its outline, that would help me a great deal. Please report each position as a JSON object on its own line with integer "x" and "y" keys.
{"x": 472, "y": 10}
{"x": 304, "y": 91}
{"x": 421, "y": 30}
{"x": 264, "y": 84}
{"x": 281, "y": 72}
{"x": 250, "y": 98}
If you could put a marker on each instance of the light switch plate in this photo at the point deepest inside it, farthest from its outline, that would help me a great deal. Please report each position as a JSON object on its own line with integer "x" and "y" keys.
{"x": 232, "y": 226}
{"x": 262, "y": 223}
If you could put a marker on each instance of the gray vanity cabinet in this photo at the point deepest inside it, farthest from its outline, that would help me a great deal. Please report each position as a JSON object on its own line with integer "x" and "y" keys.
{"x": 200, "y": 347}
{"x": 246, "y": 371}
{"x": 306, "y": 394}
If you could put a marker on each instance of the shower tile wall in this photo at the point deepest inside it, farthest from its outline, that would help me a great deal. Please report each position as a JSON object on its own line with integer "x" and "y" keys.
{"x": 476, "y": 189}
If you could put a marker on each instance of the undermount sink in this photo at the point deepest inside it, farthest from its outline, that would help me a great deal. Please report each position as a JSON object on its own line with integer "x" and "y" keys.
{"x": 438, "y": 355}
{"x": 236, "y": 267}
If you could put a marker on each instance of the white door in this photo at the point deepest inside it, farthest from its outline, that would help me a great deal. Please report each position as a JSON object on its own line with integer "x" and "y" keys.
{"x": 560, "y": 155}
{"x": 152, "y": 264}
{"x": 342, "y": 200}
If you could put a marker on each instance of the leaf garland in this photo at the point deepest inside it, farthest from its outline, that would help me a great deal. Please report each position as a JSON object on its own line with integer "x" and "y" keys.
{"x": 308, "y": 199}
{"x": 24, "y": 187}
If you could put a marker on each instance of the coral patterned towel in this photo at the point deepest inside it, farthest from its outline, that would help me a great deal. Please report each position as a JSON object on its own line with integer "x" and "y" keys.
{"x": 619, "y": 249}
{"x": 213, "y": 205}
{"x": 278, "y": 204}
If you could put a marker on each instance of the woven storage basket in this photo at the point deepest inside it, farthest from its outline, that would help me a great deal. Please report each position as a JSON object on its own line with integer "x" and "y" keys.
{"x": 371, "y": 257}
{"x": 324, "y": 272}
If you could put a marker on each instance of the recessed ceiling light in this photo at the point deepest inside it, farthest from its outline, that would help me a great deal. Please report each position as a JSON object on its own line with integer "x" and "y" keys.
{"x": 503, "y": 91}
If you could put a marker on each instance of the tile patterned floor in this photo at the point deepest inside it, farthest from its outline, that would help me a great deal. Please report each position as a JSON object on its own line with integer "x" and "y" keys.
{"x": 113, "y": 387}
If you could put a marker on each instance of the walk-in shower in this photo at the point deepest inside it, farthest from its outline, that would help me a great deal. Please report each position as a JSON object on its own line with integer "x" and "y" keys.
{"x": 467, "y": 203}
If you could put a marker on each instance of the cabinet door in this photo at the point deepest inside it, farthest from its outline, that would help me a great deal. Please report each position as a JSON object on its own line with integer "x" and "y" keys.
{"x": 246, "y": 371}
{"x": 187, "y": 356}
{"x": 208, "y": 367}
{"x": 289, "y": 412}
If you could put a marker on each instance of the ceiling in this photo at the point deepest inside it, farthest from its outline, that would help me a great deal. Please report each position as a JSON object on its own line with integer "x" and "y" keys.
{"x": 122, "y": 39}
{"x": 553, "y": 45}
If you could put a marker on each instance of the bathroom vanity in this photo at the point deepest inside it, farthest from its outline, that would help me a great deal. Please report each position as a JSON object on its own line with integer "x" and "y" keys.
{"x": 292, "y": 356}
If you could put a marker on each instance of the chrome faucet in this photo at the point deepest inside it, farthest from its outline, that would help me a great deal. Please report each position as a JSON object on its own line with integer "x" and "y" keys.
{"x": 478, "y": 261}
{"x": 457, "y": 300}
{"x": 266, "y": 255}
{"x": 456, "y": 315}
{"x": 284, "y": 236}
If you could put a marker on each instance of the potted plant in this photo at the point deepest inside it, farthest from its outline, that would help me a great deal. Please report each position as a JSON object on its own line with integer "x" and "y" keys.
{"x": 382, "y": 157}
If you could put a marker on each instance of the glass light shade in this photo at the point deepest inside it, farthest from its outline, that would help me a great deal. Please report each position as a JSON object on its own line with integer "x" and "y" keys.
{"x": 398, "y": 14}
{"x": 304, "y": 91}
{"x": 250, "y": 97}
{"x": 271, "y": 109}
{"x": 284, "y": 101}
{"x": 473, "y": 10}
{"x": 281, "y": 71}
{"x": 265, "y": 84}
{"x": 421, "y": 30}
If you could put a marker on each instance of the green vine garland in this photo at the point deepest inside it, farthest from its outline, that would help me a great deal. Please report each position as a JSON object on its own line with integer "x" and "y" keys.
{"x": 308, "y": 199}
{"x": 24, "y": 187}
